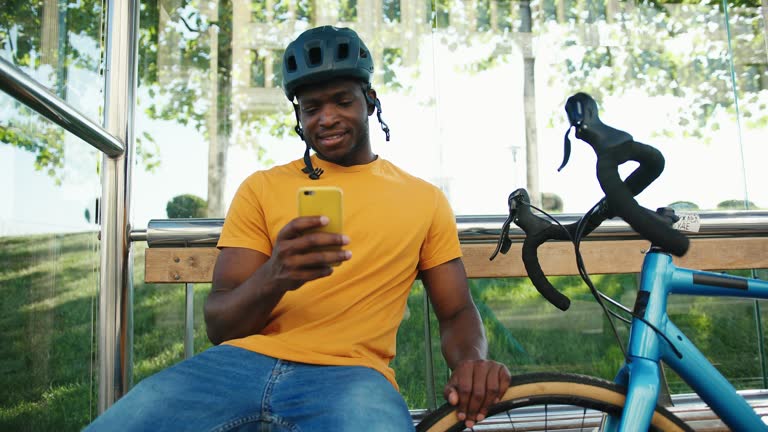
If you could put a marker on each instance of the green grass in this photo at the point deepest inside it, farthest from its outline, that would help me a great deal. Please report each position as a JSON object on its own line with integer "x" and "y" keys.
{"x": 49, "y": 310}
{"x": 48, "y": 289}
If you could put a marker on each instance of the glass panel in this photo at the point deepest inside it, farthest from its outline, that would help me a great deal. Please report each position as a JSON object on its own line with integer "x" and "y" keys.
{"x": 391, "y": 11}
{"x": 257, "y": 70}
{"x": 441, "y": 13}
{"x": 258, "y": 11}
{"x": 483, "y": 15}
{"x": 277, "y": 68}
{"x": 410, "y": 362}
{"x": 49, "y": 250}
{"x": 478, "y": 113}
{"x": 280, "y": 9}
{"x": 527, "y": 333}
{"x": 393, "y": 58}
{"x": 725, "y": 331}
{"x": 159, "y": 321}
{"x": 305, "y": 10}
{"x": 347, "y": 10}
{"x": 505, "y": 15}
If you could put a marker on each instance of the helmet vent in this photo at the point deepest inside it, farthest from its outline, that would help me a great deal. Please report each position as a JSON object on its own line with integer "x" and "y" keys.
{"x": 291, "y": 66}
{"x": 343, "y": 51}
{"x": 363, "y": 53}
{"x": 315, "y": 56}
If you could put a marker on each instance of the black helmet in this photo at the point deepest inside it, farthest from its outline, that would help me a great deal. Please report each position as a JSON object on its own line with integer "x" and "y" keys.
{"x": 324, "y": 53}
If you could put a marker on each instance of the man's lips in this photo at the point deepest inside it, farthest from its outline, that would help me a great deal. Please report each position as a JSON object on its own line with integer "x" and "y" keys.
{"x": 330, "y": 139}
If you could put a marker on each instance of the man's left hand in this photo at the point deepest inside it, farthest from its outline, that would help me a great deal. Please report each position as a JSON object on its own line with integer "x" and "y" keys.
{"x": 474, "y": 386}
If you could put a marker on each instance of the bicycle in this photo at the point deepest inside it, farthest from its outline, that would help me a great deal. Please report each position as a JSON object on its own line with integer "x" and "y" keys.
{"x": 630, "y": 402}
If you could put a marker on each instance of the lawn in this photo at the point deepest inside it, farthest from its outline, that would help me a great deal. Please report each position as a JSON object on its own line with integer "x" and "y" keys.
{"x": 49, "y": 311}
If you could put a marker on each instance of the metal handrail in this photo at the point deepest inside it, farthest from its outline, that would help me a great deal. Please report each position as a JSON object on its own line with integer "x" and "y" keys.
{"x": 26, "y": 90}
{"x": 472, "y": 229}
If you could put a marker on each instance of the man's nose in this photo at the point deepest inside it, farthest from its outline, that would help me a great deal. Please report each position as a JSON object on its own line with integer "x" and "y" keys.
{"x": 328, "y": 115}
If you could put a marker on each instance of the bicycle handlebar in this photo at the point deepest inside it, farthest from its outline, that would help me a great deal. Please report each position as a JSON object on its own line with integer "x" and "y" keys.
{"x": 538, "y": 231}
{"x": 613, "y": 147}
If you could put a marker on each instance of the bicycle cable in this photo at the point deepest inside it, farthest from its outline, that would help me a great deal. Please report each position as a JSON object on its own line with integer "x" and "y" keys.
{"x": 597, "y": 294}
{"x": 585, "y": 277}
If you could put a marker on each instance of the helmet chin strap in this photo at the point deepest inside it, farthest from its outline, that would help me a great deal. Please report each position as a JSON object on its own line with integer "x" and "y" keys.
{"x": 314, "y": 173}
{"x": 377, "y": 104}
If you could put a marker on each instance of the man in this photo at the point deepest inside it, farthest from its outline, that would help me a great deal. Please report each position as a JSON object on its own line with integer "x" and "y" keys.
{"x": 304, "y": 335}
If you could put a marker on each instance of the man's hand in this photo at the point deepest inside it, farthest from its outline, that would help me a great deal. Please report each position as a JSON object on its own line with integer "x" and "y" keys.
{"x": 474, "y": 386}
{"x": 295, "y": 257}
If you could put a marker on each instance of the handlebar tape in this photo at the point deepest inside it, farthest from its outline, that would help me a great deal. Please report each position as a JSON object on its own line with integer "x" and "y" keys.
{"x": 536, "y": 274}
{"x": 620, "y": 194}
{"x": 614, "y": 147}
{"x": 538, "y": 231}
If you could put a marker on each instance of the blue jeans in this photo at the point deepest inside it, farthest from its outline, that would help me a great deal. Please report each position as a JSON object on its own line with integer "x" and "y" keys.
{"x": 231, "y": 389}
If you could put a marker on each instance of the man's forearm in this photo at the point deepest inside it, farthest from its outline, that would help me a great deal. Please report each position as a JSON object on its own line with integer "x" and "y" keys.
{"x": 243, "y": 311}
{"x": 463, "y": 337}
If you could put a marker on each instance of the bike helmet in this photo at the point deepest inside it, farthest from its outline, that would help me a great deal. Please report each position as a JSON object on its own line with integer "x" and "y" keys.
{"x": 324, "y": 53}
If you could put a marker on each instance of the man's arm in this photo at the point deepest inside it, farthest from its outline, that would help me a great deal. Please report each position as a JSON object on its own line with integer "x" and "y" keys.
{"x": 248, "y": 284}
{"x": 476, "y": 382}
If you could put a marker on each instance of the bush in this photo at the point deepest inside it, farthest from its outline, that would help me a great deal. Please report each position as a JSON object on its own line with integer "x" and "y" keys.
{"x": 186, "y": 206}
{"x": 736, "y": 204}
{"x": 684, "y": 206}
{"x": 551, "y": 202}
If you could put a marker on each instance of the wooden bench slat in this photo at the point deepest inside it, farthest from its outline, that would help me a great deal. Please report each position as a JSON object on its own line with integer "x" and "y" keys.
{"x": 181, "y": 265}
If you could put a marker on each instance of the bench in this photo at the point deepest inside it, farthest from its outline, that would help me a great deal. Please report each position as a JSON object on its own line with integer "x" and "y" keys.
{"x": 718, "y": 246}
{"x": 195, "y": 264}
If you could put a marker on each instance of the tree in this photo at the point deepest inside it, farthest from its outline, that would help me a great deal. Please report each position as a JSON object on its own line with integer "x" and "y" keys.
{"x": 684, "y": 206}
{"x": 186, "y": 206}
{"x": 674, "y": 54}
{"x": 40, "y": 36}
{"x": 736, "y": 204}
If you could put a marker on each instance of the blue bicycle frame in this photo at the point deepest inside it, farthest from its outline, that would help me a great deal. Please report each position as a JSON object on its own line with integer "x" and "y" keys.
{"x": 640, "y": 373}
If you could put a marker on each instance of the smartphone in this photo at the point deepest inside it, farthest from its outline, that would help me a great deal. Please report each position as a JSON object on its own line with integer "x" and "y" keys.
{"x": 323, "y": 201}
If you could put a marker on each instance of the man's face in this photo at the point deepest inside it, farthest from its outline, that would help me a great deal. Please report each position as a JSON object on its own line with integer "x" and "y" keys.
{"x": 334, "y": 116}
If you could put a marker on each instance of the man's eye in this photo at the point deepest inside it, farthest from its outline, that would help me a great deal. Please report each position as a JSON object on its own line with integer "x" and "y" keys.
{"x": 308, "y": 110}
{"x": 345, "y": 102}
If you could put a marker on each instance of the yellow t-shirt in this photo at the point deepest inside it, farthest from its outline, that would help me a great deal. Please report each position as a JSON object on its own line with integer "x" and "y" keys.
{"x": 397, "y": 225}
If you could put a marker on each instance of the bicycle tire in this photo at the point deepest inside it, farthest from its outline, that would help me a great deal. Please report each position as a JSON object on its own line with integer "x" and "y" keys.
{"x": 536, "y": 389}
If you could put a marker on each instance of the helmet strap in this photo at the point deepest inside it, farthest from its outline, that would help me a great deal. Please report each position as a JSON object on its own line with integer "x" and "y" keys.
{"x": 377, "y": 104}
{"x": 298, "y": 129}
{"x": 314, "y": 173}
{"x": 384, "y": 126}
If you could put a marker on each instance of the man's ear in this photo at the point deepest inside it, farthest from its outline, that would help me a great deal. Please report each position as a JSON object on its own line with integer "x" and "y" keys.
{"x": 370, "y": 100}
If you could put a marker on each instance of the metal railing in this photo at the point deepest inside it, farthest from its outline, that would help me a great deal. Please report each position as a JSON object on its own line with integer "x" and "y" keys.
{"x": 472, "y": 229}
{"x": 35, "y": 96}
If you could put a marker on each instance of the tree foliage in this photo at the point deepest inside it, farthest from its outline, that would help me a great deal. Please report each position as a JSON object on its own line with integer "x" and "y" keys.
{"x": 186, "y": 206}
{"x": 78, "y": 45}
{"x": 678, "y": 49}
{"x": 736, "y": 204}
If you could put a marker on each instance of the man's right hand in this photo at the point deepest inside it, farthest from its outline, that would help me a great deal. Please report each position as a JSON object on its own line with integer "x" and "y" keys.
{"x": 248, "y": 284}
{"x": 296, "y": 256}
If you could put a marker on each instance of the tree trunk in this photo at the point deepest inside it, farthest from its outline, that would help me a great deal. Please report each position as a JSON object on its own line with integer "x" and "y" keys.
{"x": 529, "y": 105}
{"x": 220, "y": 132}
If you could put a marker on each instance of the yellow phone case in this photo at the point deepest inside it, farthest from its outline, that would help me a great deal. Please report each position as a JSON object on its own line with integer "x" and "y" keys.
{"x": 323, "y": 201}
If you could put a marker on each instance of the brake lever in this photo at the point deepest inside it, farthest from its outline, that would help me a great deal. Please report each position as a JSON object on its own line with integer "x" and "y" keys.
{"x": 504, "y": 243}
{"x": 575, "y": 112}
{"x": 581, "y": 109}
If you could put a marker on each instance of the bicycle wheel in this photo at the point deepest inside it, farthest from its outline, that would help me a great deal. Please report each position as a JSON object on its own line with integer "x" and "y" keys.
{"x": 551, "y": 402}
